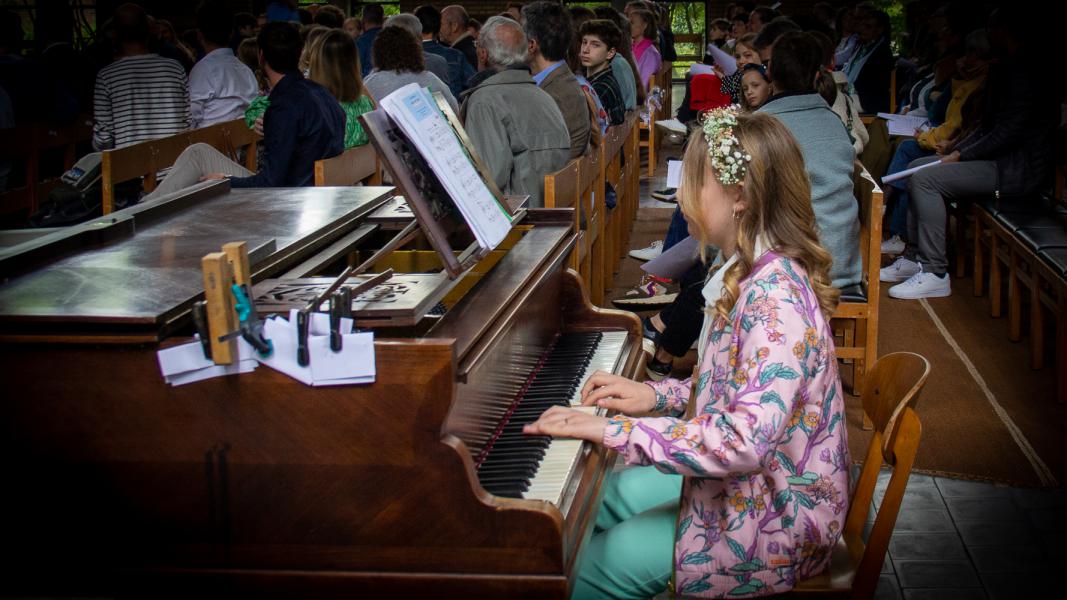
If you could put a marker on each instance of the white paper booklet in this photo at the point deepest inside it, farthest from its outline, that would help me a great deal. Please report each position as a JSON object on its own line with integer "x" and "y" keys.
{"x": 904, "y": 124}
{"x": 727, "y": 63}
{"x": 417, "y": 115}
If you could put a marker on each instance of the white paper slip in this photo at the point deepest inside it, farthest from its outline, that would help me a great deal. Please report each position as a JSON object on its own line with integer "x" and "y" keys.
{"x": 415, "y": 112}
{"x": 674, "y": 174}
{"x": 908, "y": 172}
{"x": 282, "y": 334}
{"x": 186, "y": 363}
{"x": 244, "y": 366}
{"x": 319, "y": 324}
{"x": 701, "y": 69}
{"x": 672, "y": 125}
{"x": 727, "y": 63}
{"x": 354, "y": 363}
{"x": 675, "y": 261}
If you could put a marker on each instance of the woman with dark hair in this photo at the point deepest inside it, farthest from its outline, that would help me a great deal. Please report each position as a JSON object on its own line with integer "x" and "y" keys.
{"x": 398, "y": 61}
{"x": 870, "y": 68}
{"x": 833, "y": 86}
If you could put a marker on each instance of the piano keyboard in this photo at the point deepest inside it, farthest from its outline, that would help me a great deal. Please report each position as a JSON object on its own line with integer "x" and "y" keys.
{"x": 538, "y": 467}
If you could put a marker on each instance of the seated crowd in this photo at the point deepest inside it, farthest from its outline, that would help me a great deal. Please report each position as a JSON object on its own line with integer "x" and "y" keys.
{"x": 766, "y": 194}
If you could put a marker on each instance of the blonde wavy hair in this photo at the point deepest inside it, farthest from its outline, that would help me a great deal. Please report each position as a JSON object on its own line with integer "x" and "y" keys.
{"x": 778, "y": 197}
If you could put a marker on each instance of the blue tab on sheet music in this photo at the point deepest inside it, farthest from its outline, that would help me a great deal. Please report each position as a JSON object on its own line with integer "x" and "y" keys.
{"x": 418, "y": 107}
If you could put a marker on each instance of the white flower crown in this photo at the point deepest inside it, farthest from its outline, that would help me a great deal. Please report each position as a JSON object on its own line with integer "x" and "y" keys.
{"x": 728, "y": 158}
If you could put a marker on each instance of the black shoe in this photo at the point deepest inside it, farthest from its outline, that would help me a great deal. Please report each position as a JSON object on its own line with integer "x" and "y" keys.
{"x": 649, "y": 331}
{"x": 657, "y": 370}
{"x": 666, "y": 195}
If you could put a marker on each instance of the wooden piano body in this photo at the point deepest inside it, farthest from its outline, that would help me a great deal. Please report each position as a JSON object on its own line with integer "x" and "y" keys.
{"x": 256, "y": 485}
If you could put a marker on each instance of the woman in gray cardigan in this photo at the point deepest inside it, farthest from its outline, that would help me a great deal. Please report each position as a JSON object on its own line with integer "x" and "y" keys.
{"x": 828, "y": 152}
{"x": 398, "y": 61}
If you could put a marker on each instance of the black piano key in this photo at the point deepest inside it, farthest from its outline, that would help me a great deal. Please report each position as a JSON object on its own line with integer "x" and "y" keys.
{"x": 513, "y": 458}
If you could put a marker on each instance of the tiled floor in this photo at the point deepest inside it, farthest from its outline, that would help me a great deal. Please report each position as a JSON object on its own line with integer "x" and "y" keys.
{"x": 962, "y": 539}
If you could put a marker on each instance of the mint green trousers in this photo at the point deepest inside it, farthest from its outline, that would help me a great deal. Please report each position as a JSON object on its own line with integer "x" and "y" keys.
{"x": 632, "y": 549}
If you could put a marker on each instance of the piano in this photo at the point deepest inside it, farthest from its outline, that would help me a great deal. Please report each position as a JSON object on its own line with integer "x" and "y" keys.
{"x": 418, "y": 485}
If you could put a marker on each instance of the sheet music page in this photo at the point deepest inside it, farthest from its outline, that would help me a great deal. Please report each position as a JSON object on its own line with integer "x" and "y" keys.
{"x": 418, "y": 117}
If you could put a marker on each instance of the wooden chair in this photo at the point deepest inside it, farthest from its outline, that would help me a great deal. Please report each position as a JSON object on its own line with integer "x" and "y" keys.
{"x": 889, "y": 397}
{"x": 563, "y": 190}
{"x": 858, "y": 309}
{"x": 612, "y": 170}
{"x": 591, "y": 201}
{"x": 663, "y": 80}
{"x": 352, "y": 167}
{"x": 145, "y": 159}
{"x": 25, "y": 144}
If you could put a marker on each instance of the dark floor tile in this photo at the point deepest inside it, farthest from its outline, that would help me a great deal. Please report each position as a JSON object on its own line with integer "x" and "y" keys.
{"x": 1028, "y": 498}
{"x": 923, "y": 520}
{"x": 926, "y": 546}
{"x": 887, "y": 564}
{"x": 945, "y": 594}
{"x": 1047, "y": 519}
{"x": 921, "y": 497}
{"x": 987, "y": 533}
{"x": 936, "y": 574}
{"x": 1022, "y": 585}
{"x": 915, "y": 481}
{"x": 962, "y": 487}
{"x": 1002, "y": 558}
{"x": 1055, "y": 545}
{"x": 887, "y": 589}
{"x": 965, "y": 508}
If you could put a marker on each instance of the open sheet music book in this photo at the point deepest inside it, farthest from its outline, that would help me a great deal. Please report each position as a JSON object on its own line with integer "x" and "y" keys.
{"x": 414, "y": 111}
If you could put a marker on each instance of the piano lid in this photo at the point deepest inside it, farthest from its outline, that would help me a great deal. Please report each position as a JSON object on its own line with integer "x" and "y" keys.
{"x": 150, "y": 271}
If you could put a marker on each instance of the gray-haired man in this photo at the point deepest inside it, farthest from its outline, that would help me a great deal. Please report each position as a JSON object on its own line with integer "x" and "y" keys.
{"x": 514, "y": 125}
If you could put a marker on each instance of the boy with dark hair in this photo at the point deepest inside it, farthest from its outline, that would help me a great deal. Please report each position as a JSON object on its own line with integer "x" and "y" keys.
{"x": 220, "y": 86}
{"x": 303, "y": 124}
{"x": 600, "y": 40}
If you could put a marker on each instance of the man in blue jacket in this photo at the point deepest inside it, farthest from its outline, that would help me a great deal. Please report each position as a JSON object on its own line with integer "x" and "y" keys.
{"x": 459, "y": 70}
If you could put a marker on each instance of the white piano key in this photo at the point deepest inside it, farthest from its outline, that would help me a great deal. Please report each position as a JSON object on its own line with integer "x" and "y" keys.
{"x": 556, "y": 468}
{"x": 605, "y": 359}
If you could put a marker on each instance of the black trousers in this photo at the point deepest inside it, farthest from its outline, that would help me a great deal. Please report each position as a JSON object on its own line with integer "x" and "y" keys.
{"x": 685, "y": 316}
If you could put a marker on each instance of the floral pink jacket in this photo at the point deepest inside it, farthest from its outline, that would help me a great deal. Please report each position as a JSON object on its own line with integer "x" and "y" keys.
{"x": 766, "y": 461}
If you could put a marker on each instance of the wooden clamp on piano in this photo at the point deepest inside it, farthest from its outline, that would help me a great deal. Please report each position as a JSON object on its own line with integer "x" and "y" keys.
{"x": 256, "y": 485}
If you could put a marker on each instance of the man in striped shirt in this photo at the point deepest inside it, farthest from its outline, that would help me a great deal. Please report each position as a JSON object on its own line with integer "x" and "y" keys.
{"x": 141, "y": 96}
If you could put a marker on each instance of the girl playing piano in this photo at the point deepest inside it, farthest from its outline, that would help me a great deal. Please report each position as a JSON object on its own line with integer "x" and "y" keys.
{"x": 746, "y": 485}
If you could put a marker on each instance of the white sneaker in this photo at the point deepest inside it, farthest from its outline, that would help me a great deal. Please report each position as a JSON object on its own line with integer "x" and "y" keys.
{"x": 893, "y": 246}
{"x": 901, "y": 270}
{"x": 652, "y": 251}
{"x": 922, "y": 285}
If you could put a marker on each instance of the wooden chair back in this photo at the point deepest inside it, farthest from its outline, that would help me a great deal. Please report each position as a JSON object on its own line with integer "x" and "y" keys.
{"x": 24, "y": 144}
{"x": 591, "y": 202}
{"x": 352, "y": 167}
{"x": 563, "y": 190}
{"x": 596, "y": 136}
{"x": 889, "y": 398}
{"x": 860, "y": 342}
{"x": 145, "y": 159}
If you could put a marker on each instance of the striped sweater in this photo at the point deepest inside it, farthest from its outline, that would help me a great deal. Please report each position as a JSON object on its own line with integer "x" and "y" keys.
{"x": 139, "y": 98}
